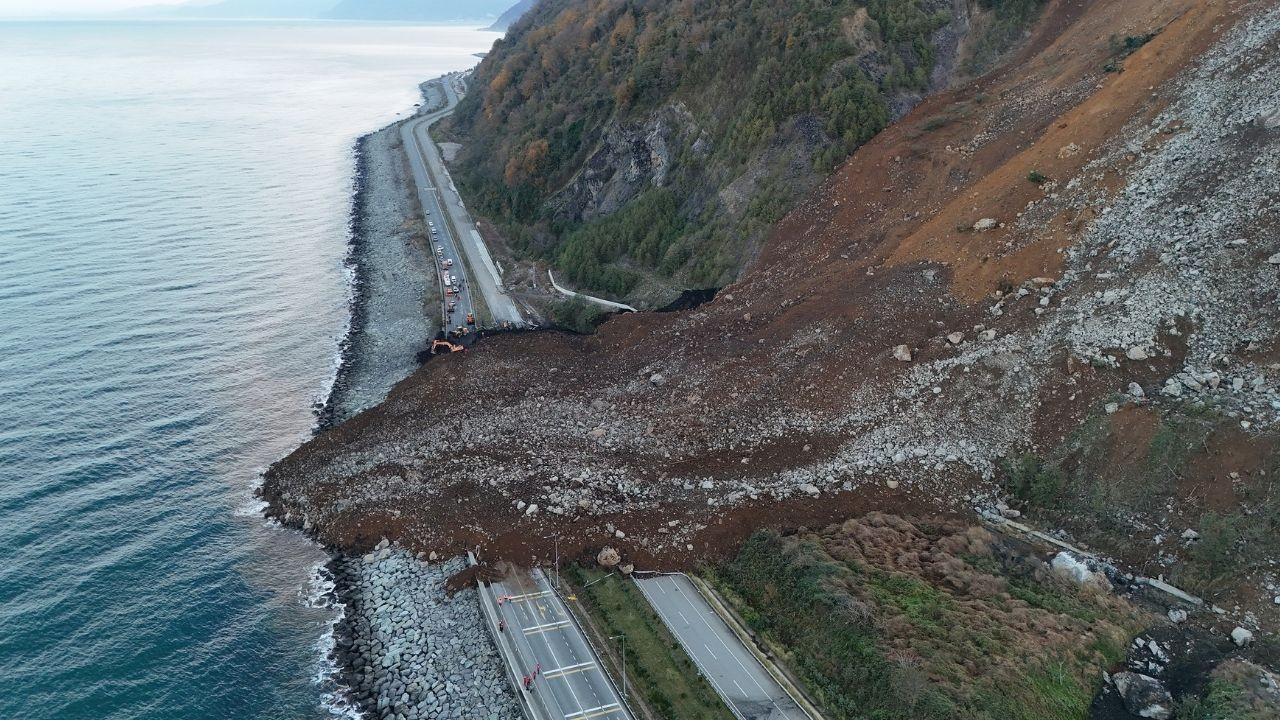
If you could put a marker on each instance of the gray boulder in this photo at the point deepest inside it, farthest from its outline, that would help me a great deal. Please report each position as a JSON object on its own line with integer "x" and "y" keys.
{"x": 1144, "y": 696}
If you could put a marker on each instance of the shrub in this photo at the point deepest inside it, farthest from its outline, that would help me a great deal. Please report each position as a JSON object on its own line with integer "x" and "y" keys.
{"x": 1033, "y": 480}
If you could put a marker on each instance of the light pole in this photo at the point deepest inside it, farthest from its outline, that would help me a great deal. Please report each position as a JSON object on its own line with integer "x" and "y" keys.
{"x": 624, "y": 661}
{"x": 557, "y": 562}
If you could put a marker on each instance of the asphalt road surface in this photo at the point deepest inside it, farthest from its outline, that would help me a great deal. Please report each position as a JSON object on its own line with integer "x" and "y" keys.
{"x": 750, "y": 691}
{"x": 436, "y": 190}
{"x": 570, "y": 683}
{"x": 442, "y": 238}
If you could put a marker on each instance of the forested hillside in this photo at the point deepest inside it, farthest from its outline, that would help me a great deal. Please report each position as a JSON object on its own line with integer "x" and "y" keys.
{"x": 620, "y": 139}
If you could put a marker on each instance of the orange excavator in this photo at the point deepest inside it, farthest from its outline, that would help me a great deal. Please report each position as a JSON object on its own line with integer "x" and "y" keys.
{"x": 445, "y": 345}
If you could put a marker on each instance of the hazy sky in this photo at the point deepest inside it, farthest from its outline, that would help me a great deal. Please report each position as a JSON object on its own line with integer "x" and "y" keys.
{"x": 55, "y": 7}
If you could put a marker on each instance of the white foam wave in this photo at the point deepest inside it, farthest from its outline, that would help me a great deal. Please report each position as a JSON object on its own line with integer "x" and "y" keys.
{"x": 335, "y": 696}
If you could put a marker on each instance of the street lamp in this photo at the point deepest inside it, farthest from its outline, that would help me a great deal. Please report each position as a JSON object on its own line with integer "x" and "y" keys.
{"x": 624, "y": 661}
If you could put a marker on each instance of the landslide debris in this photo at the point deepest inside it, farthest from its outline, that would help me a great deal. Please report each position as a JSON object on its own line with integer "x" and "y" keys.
{"x": 784, "y": 402}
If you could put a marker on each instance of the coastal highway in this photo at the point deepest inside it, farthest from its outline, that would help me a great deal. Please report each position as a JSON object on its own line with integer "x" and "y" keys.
{"x": 429, "y": 199}
{"x": 748, "y": 689}
{"x": 439, "y": 196}
{"x": 538, "y": 632}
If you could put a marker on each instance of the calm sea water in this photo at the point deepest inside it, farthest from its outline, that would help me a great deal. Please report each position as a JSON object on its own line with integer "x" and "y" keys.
{"x": 173, "y": 212}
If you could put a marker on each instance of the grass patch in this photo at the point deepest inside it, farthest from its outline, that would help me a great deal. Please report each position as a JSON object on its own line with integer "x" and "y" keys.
{"x": 658, "y": 669}
{"x": 942, "y": 636}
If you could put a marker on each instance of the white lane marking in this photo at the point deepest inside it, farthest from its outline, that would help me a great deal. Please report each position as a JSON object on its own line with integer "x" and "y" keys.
{"x": 527, "y": 596}
{"x": 598, "y": 711}
{"x": 682, "y": 617}
{"x": 569, "y": 669}
{"x": 544, "y": 627}
{"x": 713, "y": 655}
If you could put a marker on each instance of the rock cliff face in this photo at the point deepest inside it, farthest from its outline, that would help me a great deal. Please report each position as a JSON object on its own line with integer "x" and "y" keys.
{"x": 631, "y": 158}
{"x": 1052, "y": 290}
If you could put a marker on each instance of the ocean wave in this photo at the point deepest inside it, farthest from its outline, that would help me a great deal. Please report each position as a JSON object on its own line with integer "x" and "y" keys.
{"x": 335, "y": 696}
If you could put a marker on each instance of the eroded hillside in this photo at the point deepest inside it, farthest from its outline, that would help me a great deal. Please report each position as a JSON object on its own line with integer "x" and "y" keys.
{"x": 1052, "y": 291}
{"x": 641, "y": 146}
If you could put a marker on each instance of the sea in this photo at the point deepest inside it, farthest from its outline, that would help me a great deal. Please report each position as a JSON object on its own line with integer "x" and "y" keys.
{"x": 174, "y": 202}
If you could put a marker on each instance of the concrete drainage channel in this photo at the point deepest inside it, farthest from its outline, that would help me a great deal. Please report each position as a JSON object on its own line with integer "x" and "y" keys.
{"x": 1004, "y": 525}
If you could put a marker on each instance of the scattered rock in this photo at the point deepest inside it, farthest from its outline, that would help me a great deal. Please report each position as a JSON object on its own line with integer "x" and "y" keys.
{"x": 1136, "y": 391}
{"x": 902, "y": 352}
{"x": 1144, "y": 696}
{"x": 1067, "y": 567}
{"x": 891, "y": 484}
{"x": 608, "y": 557}
{"x": 955, "y": 338}
{"x": 1178, "y": 615}
{"x": 1136, "y": 353}
{"x": 657, "y": 379}
{"x": 1190, "y": 535}
{"x": 985, "y": 224}
{"x": 810, "y": 489}
{"x": 1241, "y": 637}
{"x": 626, "y": 569}
{"x": 1274, "y": 259}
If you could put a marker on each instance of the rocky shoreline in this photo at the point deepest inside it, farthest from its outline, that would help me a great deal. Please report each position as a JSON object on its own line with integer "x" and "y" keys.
{"x": 407, "y": 649}
{"x": 404, "y": 648}
{"x": 392, "y": 288}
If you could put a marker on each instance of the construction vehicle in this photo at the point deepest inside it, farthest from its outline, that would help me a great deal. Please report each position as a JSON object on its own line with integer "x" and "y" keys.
{"x": 460, "y": 331}
{"x": 445, "y": 345}
{"x": 471, "y": 318}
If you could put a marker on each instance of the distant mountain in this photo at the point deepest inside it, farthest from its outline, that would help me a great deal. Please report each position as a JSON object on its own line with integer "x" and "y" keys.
{"x": 514, "y": 13}
{"x": 243, "y": 9}
{"x": 422, "y": 10}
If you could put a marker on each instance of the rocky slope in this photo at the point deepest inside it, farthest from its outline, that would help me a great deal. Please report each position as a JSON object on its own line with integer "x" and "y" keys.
{"x": 630, "y": 140}
{"x": 1053, "y": 291}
